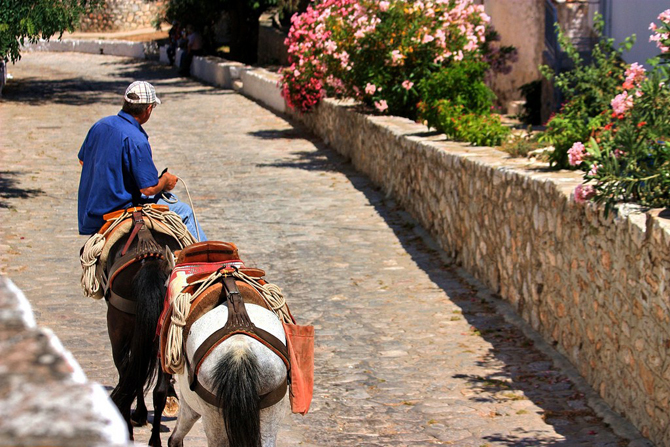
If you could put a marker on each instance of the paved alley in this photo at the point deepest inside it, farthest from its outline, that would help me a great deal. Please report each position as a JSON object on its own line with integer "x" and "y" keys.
{"x": 409, "y": 352}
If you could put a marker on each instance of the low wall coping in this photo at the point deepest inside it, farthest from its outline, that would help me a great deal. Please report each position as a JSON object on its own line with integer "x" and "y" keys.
{"x": 45, "y": 398}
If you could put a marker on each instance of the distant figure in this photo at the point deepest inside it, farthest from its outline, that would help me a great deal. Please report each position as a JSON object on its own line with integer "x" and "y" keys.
{"x": 194, "y": 47}
{"x": 174, "y": 35}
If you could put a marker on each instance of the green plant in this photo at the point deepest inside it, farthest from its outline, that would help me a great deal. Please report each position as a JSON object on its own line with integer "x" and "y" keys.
{"x": 24, "y": 21}
{"x": 588, "y": 89}
{"x": 459, "y": 124}
{"x": 462, "y": 84}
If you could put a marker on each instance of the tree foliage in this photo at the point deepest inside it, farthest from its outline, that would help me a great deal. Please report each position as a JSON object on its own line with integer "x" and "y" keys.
{"x": 24, "y": 21}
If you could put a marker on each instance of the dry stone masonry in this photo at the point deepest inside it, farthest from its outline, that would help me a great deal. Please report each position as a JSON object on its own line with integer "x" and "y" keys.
{"x": 123, "y": 15}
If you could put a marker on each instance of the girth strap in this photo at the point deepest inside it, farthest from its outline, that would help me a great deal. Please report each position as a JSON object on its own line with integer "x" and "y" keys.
{"x": 238, "y": 323}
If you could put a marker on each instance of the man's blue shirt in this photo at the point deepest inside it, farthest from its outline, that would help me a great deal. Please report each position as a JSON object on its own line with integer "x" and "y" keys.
{"x": 117, "y": 164}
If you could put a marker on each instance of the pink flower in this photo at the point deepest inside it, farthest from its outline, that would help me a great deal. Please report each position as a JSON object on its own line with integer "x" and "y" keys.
{"x": 427, "y": 38}
{"x": 584, "y": 193}
{"x": 370, "y": 89}
{"x": 576, "y": 154}
{"x": 384, "y": 6}
{"x": 594, "y": 169}
{"x": 381, "y": 105}
{"x": 397, "y": 57}
{"x": 634, "y": 75}
{"x": 407, "y": 84}
{"x": 621, "y": 103}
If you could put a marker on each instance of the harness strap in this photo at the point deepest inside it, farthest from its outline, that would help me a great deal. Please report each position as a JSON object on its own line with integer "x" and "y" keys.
{"x": 138, "y": 223}
{"x": 266, "y": 400}
{"x": 124, "y": 305}
{"x": 238, "y": 323}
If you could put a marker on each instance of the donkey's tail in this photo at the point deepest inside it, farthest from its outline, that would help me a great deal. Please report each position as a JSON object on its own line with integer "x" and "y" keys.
{"x": 139, "y": 368}
{"x": 237, "y": 382}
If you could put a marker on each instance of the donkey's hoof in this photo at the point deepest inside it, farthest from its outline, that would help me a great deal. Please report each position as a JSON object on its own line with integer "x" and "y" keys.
{"x": 138, "y": 420}
{"x": 171, "y": 407}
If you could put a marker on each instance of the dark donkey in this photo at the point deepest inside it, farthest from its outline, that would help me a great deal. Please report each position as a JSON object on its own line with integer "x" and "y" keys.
{"x": 138, "y": 273}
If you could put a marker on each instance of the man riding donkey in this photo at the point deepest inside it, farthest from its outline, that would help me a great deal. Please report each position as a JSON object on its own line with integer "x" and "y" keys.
{"x": 137, "y": 224}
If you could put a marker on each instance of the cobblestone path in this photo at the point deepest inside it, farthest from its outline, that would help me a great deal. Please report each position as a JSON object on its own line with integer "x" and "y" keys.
{"x": 409, "y": 352}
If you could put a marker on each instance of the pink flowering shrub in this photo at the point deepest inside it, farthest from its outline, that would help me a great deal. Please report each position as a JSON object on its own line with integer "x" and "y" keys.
{"x": 378, "y": 52}
{"x": 589, "y": 90}
{"x": 628, "y": 159}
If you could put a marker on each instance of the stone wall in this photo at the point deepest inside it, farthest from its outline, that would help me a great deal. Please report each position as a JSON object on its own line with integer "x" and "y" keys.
{"x": 45, "y": 398}
{"x": 122, "y": 15}
{"x": 594, "y": 286}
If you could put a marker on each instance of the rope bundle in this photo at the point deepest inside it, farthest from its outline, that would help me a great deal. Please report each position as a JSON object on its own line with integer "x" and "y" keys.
{"x": 181, "y": 306}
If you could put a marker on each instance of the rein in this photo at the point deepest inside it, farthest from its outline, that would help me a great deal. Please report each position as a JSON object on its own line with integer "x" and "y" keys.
{"x": 171, "y": 200}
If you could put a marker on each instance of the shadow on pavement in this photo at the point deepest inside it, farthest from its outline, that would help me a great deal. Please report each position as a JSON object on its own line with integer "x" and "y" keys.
{"x": 9, "y": 189}
{"x": 526, "y": 372}
{"x": 77, "y": 91}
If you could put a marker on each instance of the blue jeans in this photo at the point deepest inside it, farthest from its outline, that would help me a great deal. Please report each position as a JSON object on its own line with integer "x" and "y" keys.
{"x": 181, "y": 208}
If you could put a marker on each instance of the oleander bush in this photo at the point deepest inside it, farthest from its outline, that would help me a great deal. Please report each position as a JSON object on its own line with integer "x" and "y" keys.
{"x": 628, "y": 158}
{"x": 588, "y": 89}
{"x": 396, "y": 57}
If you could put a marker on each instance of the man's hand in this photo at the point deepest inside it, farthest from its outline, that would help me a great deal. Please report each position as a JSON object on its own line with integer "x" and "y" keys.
{"x": 170, "y": 181}
{"x": 166, "y": 182}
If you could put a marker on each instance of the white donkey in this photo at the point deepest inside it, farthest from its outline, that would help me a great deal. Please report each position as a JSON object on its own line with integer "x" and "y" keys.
{"x": 241, "y": 375}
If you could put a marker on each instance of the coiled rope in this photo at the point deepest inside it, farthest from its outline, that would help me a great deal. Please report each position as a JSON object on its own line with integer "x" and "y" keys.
{"x": 181, "y": 306}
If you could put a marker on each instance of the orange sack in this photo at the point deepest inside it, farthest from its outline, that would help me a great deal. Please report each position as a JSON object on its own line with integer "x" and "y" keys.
{"x": 300, "y": 343}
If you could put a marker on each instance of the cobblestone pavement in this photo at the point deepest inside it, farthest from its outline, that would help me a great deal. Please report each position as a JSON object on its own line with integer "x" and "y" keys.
{"x": 409, "y": 352}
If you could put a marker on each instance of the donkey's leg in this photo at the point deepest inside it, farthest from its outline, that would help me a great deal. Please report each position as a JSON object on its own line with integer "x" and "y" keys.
{"x": 123, "y": 400}
{"x": 120, "y": 328}
{"x": 215, "y": 428}
{"x": 271, "y": 419}
{"x": 139, "y": 417}
{"x": 160, "y": 396}
{"x": 187, "y": 417}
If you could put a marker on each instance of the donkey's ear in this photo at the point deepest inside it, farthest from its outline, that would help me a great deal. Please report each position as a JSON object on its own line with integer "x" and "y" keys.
{"x": 169, "y": 257}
